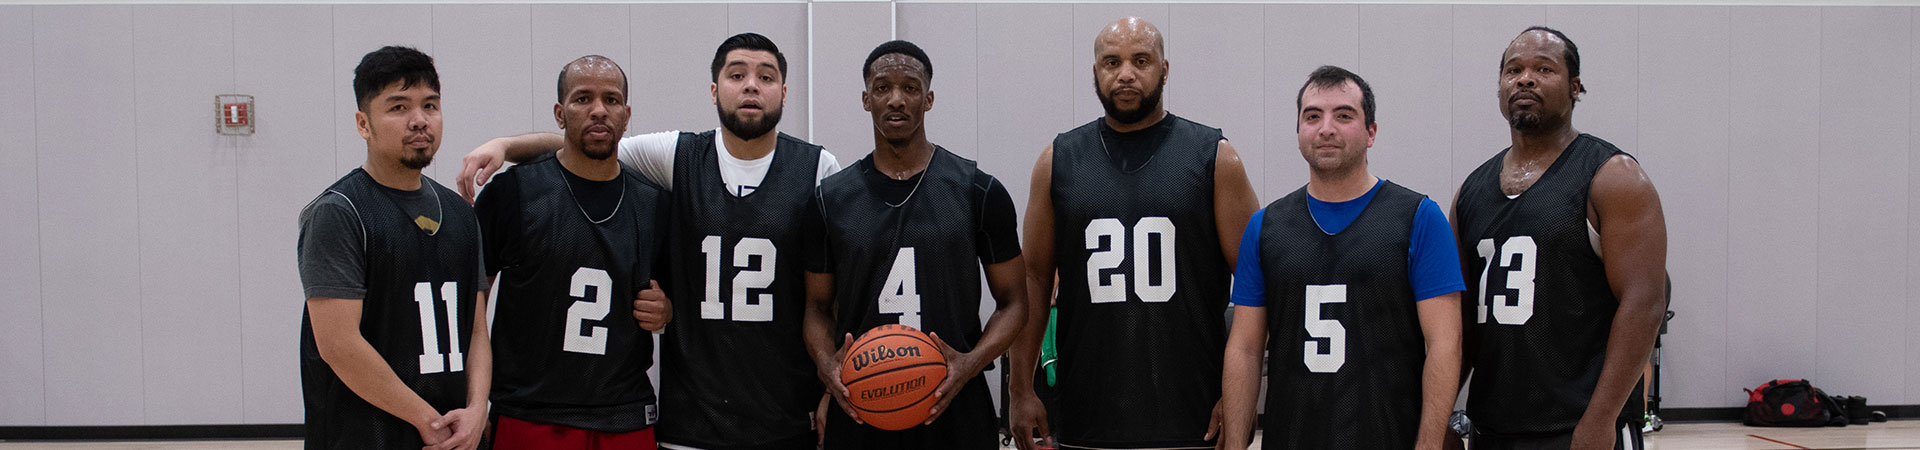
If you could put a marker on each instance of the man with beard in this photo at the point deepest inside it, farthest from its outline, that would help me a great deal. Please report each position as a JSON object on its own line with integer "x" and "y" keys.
{"x": 739, "y": 376}
{"x": 1360, "y": 270}
{"x": 1139, "y": 214}
{"x": 901, "y": 237}
{"x": 571, "y": 238}
{"x": 390, "y": 262}
{"x": 1566, "y": 246}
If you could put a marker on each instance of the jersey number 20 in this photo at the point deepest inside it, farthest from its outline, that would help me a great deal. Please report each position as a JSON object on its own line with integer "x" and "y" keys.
{"x": 1519, "y": 279}
{"x": 759, "y": 311}
{"x": 1113, "y": 288}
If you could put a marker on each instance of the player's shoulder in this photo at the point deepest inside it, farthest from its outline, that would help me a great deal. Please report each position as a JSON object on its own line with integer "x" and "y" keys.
{"x": 791, "y": 141}
{"x": 1183, "y": 122}
{"x": 635, "y": 180}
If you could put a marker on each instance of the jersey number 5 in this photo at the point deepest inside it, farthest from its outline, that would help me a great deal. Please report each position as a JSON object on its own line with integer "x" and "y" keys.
{"x": 1319, "y": 327}
{"x": 1519, "y": 279}
{"x": 761, "y": 310}
{"x": 1113, "y": 288}
{"x": 431, "y": 360}
{"x": 594, "y": 341}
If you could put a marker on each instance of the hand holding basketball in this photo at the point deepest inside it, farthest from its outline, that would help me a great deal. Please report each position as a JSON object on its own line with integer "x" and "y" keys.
{"x": 652, "y": 308}
{"x": 830, "y": 378}
{"x": 960, "y": 368}
{"x": 892, "y": 375}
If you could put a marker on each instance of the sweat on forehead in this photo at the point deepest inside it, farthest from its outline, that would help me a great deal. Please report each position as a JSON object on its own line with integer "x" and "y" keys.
{"x": 896, "y": 49}
{"x": 1130, "y": 29}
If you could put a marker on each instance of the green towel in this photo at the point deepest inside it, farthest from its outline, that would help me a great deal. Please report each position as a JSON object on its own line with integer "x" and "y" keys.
{"x": 1048, "y": 353}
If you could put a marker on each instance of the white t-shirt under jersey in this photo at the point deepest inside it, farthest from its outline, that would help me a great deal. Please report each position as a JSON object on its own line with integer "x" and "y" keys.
{"x": 652, "y": 155}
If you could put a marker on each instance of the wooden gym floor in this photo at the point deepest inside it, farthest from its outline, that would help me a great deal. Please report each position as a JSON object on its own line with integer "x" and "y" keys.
{"x": 1892, "y": 435}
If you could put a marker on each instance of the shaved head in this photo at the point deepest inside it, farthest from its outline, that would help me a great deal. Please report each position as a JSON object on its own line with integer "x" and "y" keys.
{"x": 1130, "y": 29}
{"x": 592, "y": 64}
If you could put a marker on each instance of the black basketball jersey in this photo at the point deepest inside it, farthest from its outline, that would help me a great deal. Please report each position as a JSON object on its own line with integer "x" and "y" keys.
{"x": 734, "y": 370}
{"x": 1537, "y": 301}
{"x": 566, "y": 348}
{"x": 912, "y": 263}
{"x": 416, "y": 314}
{"x": 1142, "y": 290}
{"x": 1345, "y": 351}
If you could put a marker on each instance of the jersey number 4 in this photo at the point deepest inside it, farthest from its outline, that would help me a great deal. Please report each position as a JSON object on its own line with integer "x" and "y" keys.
{"x": 431, "y": 360}
{"x": 901, "y": 294}
{"x": 1113, "y": 288}
{"x": 1519, "y": 279}
{"x": 761, "y": 310}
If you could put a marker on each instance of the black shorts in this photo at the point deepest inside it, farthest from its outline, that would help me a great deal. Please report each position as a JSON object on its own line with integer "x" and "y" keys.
{"x": 1626, "y": 437}
{"x": 968, "y": 424}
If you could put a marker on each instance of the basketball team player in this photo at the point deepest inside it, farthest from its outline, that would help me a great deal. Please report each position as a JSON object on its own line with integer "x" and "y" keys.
{"x": 901, "y": 237}
{"x": 573, "y": 239}
{"x": 1351, "y": 284}
{"x": 1139, "y": 214}
{"x": 393, "y": 342}
{"x": 734, "y": 372}
{"x": 1564, "y": 246}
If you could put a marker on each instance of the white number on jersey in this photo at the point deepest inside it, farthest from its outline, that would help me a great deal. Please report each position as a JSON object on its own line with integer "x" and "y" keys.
{"x": 711, "y": 308}
{"x": 1113, "y": 288}
{"x": 431, "y": 360}
{"x": 900, "y": 294}
{"x": 1335, "y": 354}
{"x": 1519, "y": 279}
{"x": 594, "y": 340}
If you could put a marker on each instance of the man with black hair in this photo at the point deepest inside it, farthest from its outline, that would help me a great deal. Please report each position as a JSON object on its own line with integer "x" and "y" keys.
{"x": 1565, "y": 247}
{"x": 571, "y": 237}
{"x": 733, "y": 373}
{"x": 394, "y": 352}
{"x": 901, "y": 237}
{"x": 1351, "y": 286}
{"x": 1138, "y": 215}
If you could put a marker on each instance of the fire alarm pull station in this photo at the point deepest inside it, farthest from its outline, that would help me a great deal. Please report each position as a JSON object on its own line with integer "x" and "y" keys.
{"x": 233, "y": 114}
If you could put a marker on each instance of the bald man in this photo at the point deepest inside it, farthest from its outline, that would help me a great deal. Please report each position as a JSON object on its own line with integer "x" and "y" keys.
{"x": 572, "y": 238}
{"x": 1138, "y": 213}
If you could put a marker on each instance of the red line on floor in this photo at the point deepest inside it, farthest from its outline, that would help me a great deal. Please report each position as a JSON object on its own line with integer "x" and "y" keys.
{"x": 1763, "y": 438}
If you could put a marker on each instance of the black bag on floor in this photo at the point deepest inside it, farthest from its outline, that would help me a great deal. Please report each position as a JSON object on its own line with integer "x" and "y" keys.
{"x": 1788, "y": 403}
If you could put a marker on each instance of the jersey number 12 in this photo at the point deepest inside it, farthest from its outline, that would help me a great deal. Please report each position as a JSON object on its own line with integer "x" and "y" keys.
{"x": 761, "y": 310}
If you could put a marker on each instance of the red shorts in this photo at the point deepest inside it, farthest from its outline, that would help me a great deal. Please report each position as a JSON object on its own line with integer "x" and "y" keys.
{"x": 514, "y": 434}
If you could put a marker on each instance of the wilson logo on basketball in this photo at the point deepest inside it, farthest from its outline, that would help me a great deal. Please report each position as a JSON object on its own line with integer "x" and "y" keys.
{"x": 882, "y": 353}
{"x": 896, "y": 389}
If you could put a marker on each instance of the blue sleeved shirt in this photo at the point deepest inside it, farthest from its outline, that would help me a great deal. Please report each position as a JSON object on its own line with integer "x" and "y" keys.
{"x": 1433, "y": 264}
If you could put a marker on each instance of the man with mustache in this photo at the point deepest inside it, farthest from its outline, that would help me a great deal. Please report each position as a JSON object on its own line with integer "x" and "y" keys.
{"x": 902, "y": 237}
{"x": 1564, "y": 246}
{"x": 394, "y": 334}
{"x": 571, "y": 238}
{"x": 1139, "y": 214}
{"x": 1352, "y": 286}
{"x": 738, "y": 376}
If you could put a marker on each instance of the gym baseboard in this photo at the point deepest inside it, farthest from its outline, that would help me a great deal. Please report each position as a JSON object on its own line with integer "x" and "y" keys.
{"x": 1674, "y": 415}
{"x": 272, "y": 431}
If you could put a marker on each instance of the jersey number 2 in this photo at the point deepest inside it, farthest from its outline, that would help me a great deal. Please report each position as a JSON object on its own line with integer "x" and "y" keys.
{"x": 1519, "y": 279}
{"x": 1113, "y": 288}
{"x": 759, "y": 311}
{"x": 594, "y": 341}
{"x": 431, "y": 360}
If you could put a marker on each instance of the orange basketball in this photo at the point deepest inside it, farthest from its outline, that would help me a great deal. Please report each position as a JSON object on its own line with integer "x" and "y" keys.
{"x": 891, "y": 373}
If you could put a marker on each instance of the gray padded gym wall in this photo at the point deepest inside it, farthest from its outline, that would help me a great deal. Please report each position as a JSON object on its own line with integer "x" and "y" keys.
{"x": 148, "y": 264}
